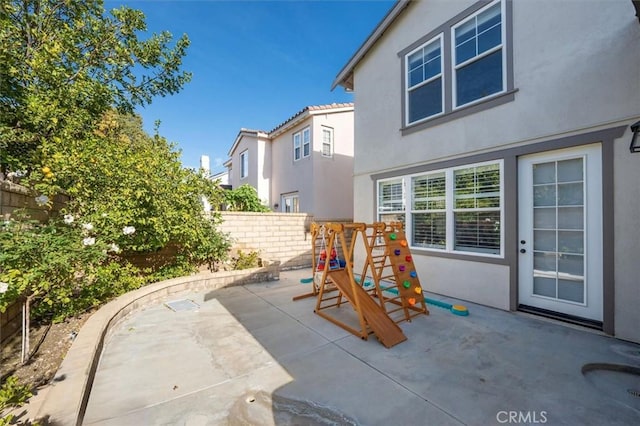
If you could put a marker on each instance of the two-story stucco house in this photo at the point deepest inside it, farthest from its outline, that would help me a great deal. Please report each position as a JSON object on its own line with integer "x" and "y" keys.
{"x": 499, "y": 132}
{"x": 304, "y": 164}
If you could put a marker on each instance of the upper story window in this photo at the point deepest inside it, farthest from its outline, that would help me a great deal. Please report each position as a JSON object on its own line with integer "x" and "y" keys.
{"x": 244, "y": 164}
{"x": 424, "y": 81}
{"x": 306, "y": 142}
{"x": 327, "y": 141}
{"x": 297, "y": 146}
{"x": 301, "y": 144}
{"x": 463, "y": 62}
{"x": 478, "y": 63}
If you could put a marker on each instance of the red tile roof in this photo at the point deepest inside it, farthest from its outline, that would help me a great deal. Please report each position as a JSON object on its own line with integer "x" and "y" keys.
{"x": 309, "y": 109}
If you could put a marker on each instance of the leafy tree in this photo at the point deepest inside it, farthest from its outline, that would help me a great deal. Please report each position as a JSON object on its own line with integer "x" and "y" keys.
{"x": 64, "y": 63}
{"x": 129, "y": 194}
{"x": 243, "y": 199}
{"x": 70, "y": 77}
{"x": 123, "y": 177}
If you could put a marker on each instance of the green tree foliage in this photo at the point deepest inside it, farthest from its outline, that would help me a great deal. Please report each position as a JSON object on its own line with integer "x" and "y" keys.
{"x": 70, "y": 76}
{"x": 49, "y": 263}
{"x": 132, "y": 190}
{"x": 120, "y": 176}
{"x": 243, "y": 199}
{"x": 12, "y": 394}
{"x": 64, "y": 63}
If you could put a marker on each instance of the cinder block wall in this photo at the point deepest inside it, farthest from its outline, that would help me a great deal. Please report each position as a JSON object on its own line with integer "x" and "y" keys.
{"x": 14, "y": 196}
{"x": 276, "y": 236}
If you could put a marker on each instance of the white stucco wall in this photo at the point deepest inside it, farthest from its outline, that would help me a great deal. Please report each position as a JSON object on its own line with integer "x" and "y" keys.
{"x": 576, "y": 69}
{"x": 478, "y": 282}
{"x": 248, "y": 144}
{"x": 333, "y": 176}
{"x": 324, "y": 185}
{"x": 570, "y": 76}
{"x": 291, "y": 176}
{"x": 627, "y": 237}
{"x": 263, "y": 170}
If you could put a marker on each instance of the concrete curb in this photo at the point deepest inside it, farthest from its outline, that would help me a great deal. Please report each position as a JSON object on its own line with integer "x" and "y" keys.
{"x": 65, "y": 399}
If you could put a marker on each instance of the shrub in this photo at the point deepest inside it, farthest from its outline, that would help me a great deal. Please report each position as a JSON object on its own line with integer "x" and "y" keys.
{"x": 244, "y": 199}
{"x": 49, "y": 263}
{"x": 12, "y": 394}
{"x": 245, "y": 261}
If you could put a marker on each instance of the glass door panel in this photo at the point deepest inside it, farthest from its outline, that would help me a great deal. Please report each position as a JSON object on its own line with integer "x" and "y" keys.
{"x": 558, "y": 230}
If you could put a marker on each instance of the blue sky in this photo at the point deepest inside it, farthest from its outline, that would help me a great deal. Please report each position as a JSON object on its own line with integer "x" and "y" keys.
{"x": 254, "y": 64}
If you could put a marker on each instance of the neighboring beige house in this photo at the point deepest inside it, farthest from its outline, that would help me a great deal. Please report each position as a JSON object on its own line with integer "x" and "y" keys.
{"x": 499, "y": 132}
{"x": 304, "y": 164}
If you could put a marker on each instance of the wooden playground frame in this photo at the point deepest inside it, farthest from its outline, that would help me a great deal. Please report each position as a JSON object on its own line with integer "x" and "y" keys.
{"x": 334, "y": 282}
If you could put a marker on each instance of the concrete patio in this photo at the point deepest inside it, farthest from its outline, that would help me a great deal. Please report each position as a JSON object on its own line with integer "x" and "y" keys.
{"x": 250, "y": 355}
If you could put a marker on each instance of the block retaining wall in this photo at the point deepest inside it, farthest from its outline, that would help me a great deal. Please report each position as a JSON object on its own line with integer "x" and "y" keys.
{"x": 283, "y": 237}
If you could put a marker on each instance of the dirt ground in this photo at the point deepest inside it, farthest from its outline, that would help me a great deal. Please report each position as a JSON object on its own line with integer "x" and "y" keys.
{"x": 49, "y": 345}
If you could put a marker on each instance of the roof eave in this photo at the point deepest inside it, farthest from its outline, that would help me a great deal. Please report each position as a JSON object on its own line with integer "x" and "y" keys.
{"x": 245, "y": 132}
{"x": 345, "y": 76}
{"x": 292, "y": 122}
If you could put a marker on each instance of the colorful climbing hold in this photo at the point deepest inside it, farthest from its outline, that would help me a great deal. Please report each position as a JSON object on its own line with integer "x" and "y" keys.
{"x": 407, "y": 258}
{"x": 418, "y": 290}
{"x": 396, "y": 252}
{"x": 403, "y": 243}
{"x": 412, "y": 301}
{"x": 459, "y": 310}
{"x": 401, "y": 268}
{"x": 413, "y": 274}
{"x": 392, "y": 236}
{"x": 406, "y": 284}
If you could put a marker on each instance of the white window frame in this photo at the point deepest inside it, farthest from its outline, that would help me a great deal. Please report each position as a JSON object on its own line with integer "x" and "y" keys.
{"x": 441, "y": 75}
{"x": 427, "y": 210}
{"x": 244, "y": 164}
{"x": 501, "y": 46}
{"x": 297, "y": 146}
{"x": 403, "y": 200}
{"x": 302, "y": 142}
{"x": 450, "y": 209}
{"x": 291, "y": 196}
{"x": 306, "y": 142}
{"x": 329, "y": 131}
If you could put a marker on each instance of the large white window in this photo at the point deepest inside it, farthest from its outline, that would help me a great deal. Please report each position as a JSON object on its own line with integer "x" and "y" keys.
{"x": 428, "y": 210}
{"x": 477, "y": 209}
{"x": 391, "y": 201}
{"x": 327, "y": 141}
{"x": 478, "y": 56}
{"x": 244, "y": 164}
{"x": 424, "y": 81}
{"x": 456, "y": 210}
{"x": 302, "y": 144}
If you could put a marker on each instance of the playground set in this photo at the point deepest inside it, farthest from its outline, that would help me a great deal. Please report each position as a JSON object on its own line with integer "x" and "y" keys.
{"x": 387, "y": 290}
